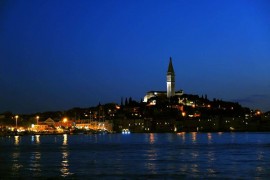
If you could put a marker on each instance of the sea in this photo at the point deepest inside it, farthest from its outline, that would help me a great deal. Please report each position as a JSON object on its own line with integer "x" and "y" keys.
{"x": 231, "y": 155}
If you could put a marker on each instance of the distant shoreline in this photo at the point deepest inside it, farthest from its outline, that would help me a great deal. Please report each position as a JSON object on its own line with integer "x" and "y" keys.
{"x": 46, "y": 134}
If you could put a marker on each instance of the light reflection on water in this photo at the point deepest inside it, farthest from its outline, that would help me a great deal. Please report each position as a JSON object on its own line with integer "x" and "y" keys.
{"x": 209, "y": 137}
{"x": 194, "y": 137}
{"x": 183, "y": 155}
{"x": 183, "y": 136}
{"x": 151, "y": 158}
{"x": 65, "y": 153}
{"x": 17, "y": 140}
{"x": 151, "y": 138}
{"x": 34, "y": 165}
{"x": 16, "y": 165}
{"x": 35, "y": 139}
{"x": 65, "y": 139}
{"x": 64, "y": 164}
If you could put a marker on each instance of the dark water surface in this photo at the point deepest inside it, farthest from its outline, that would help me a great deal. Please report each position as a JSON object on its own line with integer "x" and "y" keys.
{"x": 136, "y": 156}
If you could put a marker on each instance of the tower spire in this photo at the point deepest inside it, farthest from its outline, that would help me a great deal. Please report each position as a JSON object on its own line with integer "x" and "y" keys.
{"x": 170, "y": 80}
{"x": 170, "y": 67}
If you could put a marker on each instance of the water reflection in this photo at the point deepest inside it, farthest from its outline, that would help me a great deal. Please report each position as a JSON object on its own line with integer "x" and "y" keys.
{"x": 183, "y": 135}
{"x": 260, "y": 158}
{"x": 220, "y": 133}
{"x": 194, "y": 137}
{"x": 232, "y": 137}
{"x": 152, "y": 138}
{"x": 65, "y": 165}
{"x": 194, "y": 154}
{"x": 211, "y": 161}
{"x": 151, "y": 154}
{"x": 17, "y": 140}
{"x": 65, "y": 140}
{"x": 65, "y": 154}
{"x": 37, "y": 139}
{"x": 35, "y": 166}
{"x": 211, "y": 172}
{"x": 209, "y": 137}
{"x": 211, "y": 157}
{"x": 16, "y": 166}
{"x": 151, "y": 160}
{"x": 194, "y": 168}
{"x": 170, "y": 138}
{"x": 260, "y": 170}
{"x": 202, "y": 155}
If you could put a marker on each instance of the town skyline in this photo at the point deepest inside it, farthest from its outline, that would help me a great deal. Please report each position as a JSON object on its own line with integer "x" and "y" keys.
{"x": 170, "y": 93}
{"x": 59, "y": 55}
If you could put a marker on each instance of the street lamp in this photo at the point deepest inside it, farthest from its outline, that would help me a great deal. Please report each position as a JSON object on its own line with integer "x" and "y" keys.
{"x": 16, "y": 117}
{"x": 65, "y": 120}
{"x": 37, "y": 119}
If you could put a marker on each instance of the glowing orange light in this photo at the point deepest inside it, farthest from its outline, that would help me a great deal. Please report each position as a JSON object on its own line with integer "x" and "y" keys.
{"x": 65, "y": 120}
{"x": 258, "y": 112}
{"x": 183, "y": 113}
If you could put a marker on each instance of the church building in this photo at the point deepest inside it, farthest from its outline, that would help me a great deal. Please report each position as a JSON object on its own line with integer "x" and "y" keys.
{"x": 170, "y": 86}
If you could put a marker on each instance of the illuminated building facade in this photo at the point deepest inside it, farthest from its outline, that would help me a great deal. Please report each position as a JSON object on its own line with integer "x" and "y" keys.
{"x": 170, "y": 86}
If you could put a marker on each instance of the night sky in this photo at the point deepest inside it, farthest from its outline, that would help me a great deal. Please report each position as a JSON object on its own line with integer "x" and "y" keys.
{"x": 56, "y": 55}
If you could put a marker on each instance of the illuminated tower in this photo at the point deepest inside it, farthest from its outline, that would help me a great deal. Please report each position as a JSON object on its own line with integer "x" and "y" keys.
{"x": 170, "y": 80}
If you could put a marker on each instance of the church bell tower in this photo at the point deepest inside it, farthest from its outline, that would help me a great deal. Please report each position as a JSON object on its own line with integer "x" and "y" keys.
{"x": 170, "y": 80}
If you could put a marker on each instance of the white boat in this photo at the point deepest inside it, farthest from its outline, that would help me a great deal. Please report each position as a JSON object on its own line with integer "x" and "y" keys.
{"x": 125, "y": 131}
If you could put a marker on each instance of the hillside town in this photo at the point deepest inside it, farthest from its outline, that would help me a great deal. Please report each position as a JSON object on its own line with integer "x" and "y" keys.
{"x": 159, "y": 111}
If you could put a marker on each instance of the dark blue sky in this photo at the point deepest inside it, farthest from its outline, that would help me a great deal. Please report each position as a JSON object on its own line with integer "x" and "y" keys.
{"x": 55, "y": 55}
